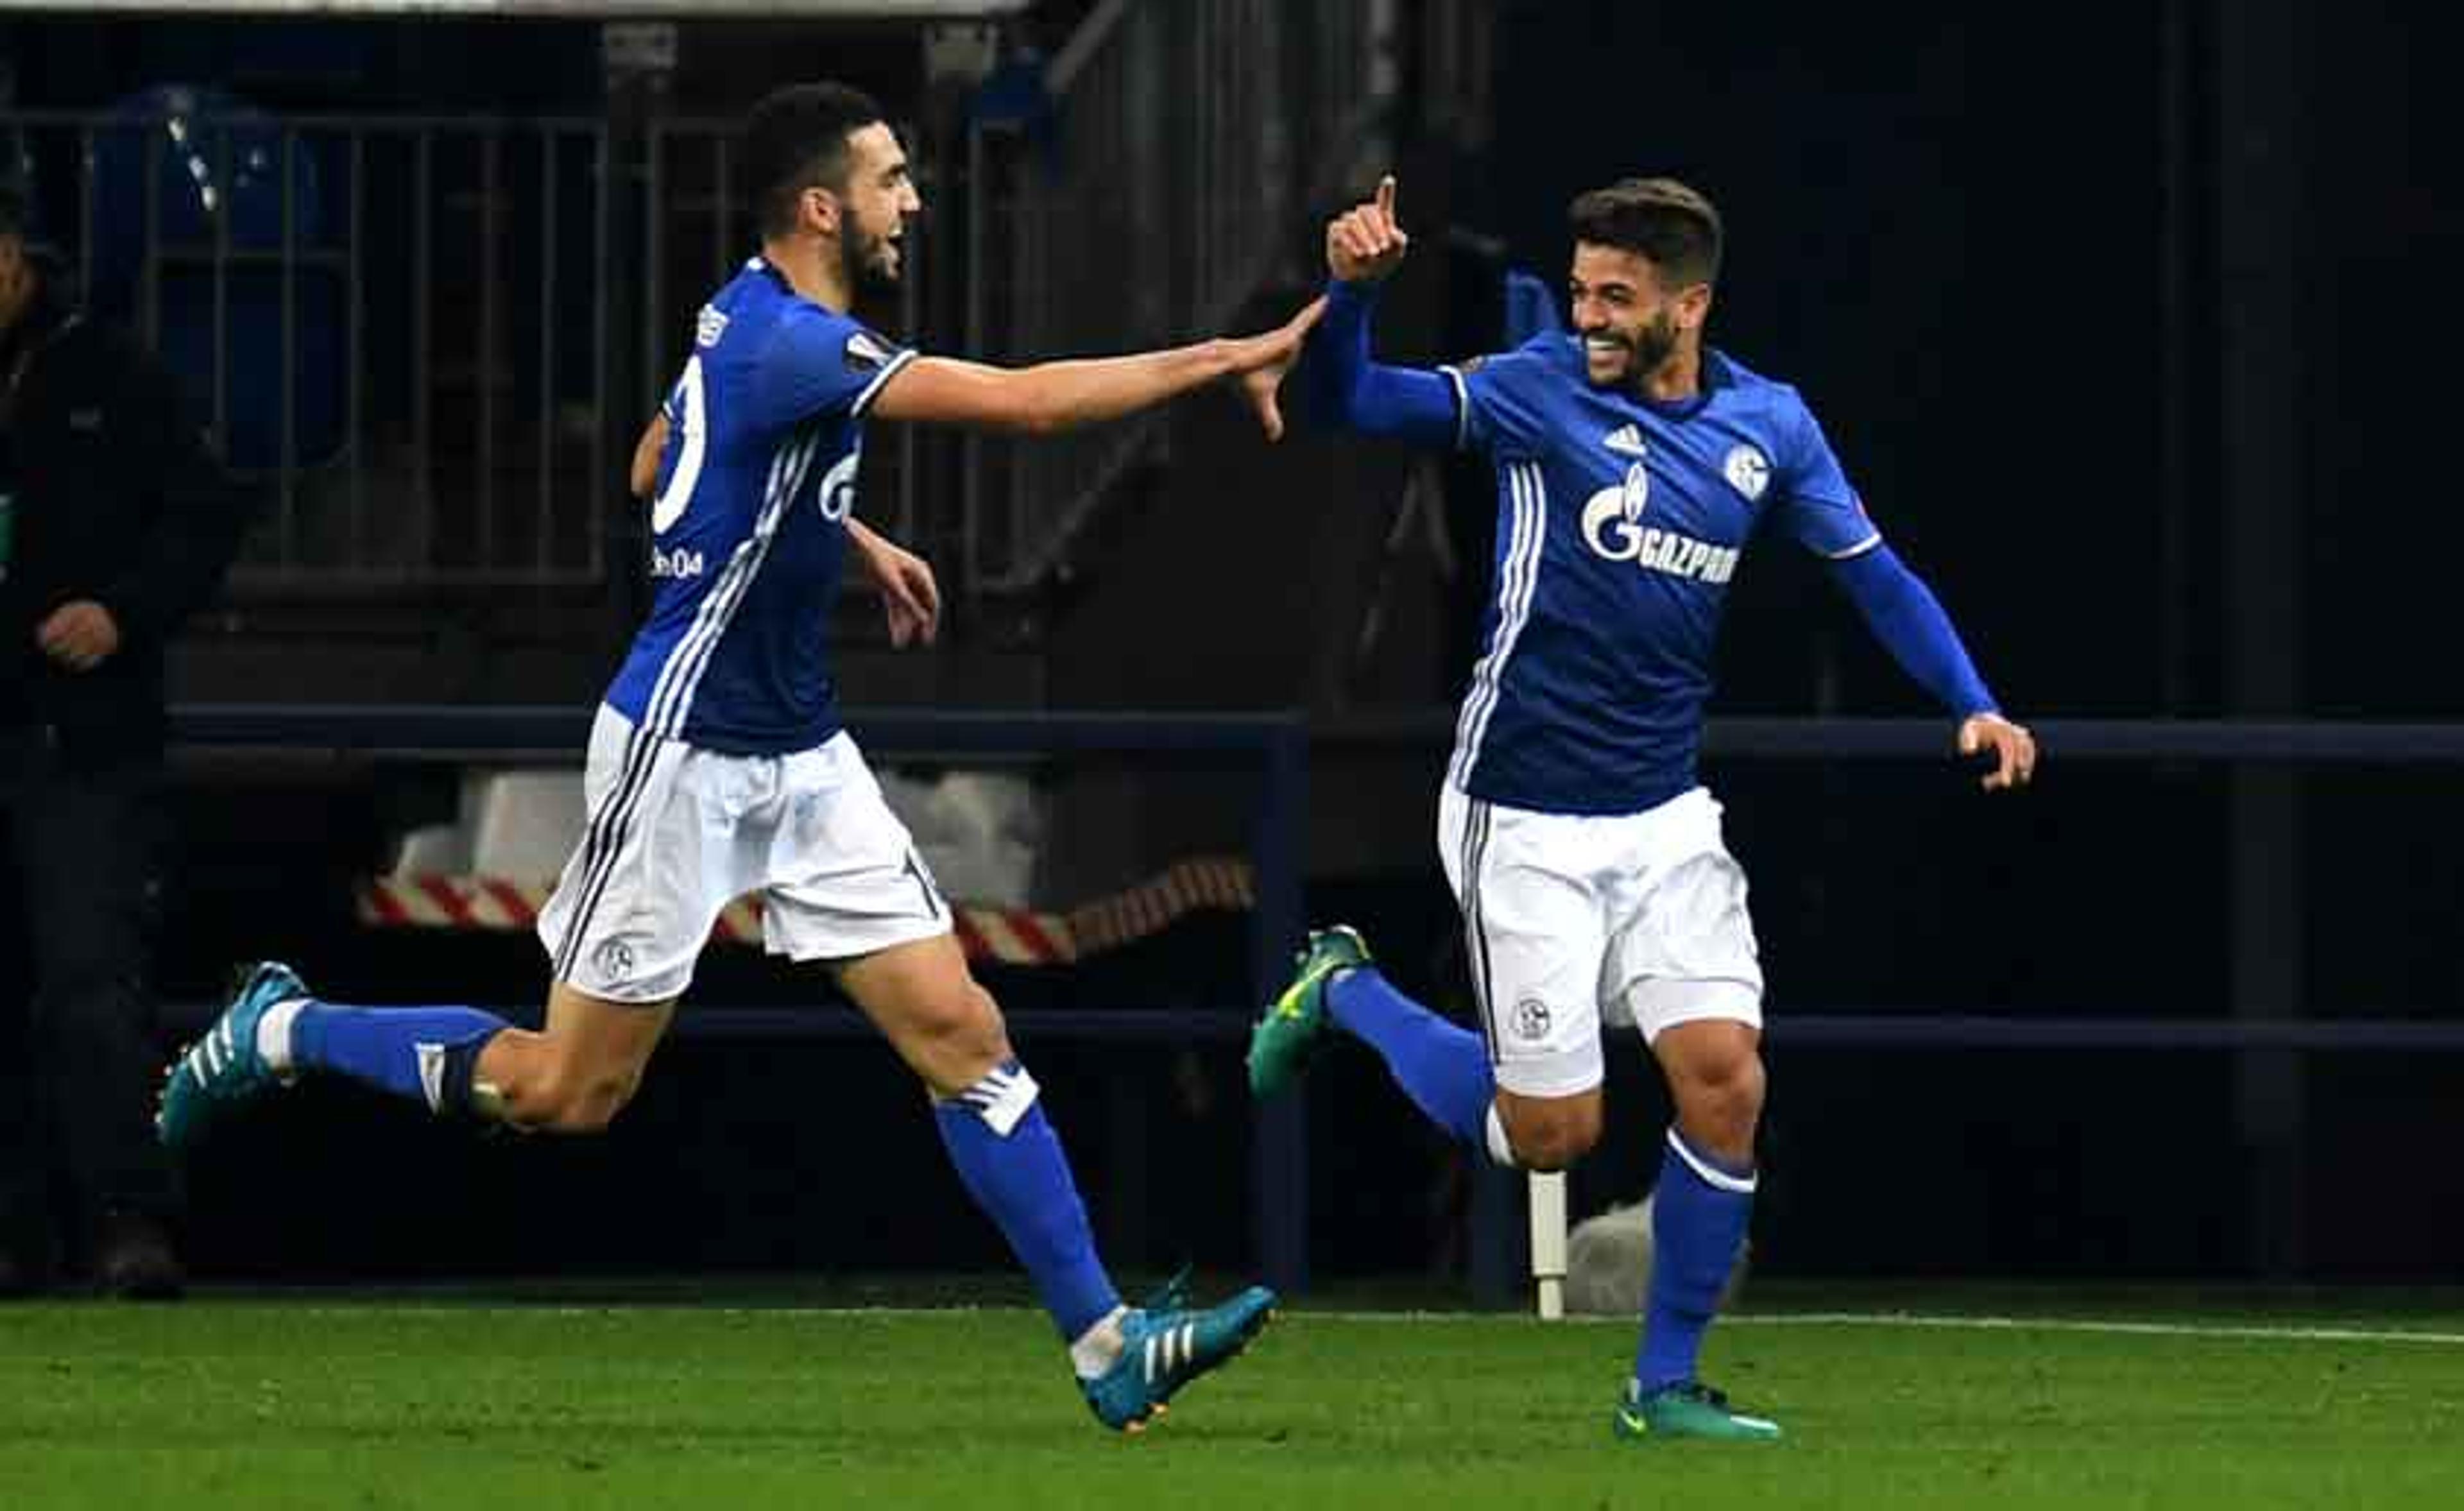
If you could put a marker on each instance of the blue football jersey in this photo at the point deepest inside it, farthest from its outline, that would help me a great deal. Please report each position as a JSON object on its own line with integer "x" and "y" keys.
{"x": 765, "y": 430}
{"x": 1620, "y": 523}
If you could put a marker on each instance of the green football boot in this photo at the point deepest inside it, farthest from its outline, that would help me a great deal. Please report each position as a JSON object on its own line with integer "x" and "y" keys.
{"x": 223, "y": 1068}
{"x": 1164, "y": 1345}
{"x": 1295, "y": 1024}
{"x": 1692, "y": 1410}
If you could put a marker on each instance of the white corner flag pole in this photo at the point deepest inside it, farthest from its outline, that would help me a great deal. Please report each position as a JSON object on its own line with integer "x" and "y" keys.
{"x": 1548, "y": 1243}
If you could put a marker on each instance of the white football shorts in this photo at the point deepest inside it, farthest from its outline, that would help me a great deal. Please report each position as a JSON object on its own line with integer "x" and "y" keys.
{"x": 676, "y": 833}
{"x": 1572, "y": 920}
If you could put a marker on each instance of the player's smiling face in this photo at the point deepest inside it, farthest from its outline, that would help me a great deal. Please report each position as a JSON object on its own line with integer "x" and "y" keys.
{"x": 1629, "y": 320}
{"x": 874, "y": 209}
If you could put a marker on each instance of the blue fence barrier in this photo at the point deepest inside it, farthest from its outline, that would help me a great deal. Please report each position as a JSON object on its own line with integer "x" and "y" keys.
{"x": 1276, "y": 747}
{"x": 1273, "y": 745}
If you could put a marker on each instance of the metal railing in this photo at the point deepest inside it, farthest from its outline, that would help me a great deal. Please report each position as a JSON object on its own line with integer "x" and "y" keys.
{"x": 1144, "y": 210}
{"x": 394, "y": 325}
{"x": 399, "y": 327}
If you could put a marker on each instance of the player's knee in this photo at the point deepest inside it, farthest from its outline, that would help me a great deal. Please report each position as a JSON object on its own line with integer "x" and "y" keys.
{"x": 1721, "y": 1098}
{"x": 1554, "y": 1146}
{"x": 1548, "y": 1138}
{"x": 1548, "y": 1151}
{"x": 957, "y": 1042}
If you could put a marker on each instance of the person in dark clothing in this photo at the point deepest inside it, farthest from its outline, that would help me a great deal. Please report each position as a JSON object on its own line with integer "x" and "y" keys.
{"x": 116, "y": 523}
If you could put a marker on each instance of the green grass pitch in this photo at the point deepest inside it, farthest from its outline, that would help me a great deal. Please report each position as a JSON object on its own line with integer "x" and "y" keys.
{"x": 302, "y": 1400}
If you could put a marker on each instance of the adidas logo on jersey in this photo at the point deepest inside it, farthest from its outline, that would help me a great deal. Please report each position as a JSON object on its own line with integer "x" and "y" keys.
{"x": 1625, "y": 440}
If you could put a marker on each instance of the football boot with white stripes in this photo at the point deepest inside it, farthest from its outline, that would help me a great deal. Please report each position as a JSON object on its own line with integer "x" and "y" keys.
{"x": 223, "y": 1068}
{"x": 1164, "y": 1345}
{"x": 1288, "y": 1036}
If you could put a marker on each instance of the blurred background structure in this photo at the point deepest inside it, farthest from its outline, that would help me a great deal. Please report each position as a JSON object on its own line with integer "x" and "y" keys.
{"x": 2133, "y": 323}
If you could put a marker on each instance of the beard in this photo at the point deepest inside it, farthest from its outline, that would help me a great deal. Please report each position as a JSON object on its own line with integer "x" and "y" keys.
{"x": 1647, "y": 349}
{"x": 867, "y": 262}
{"x": 1651, "y": 346}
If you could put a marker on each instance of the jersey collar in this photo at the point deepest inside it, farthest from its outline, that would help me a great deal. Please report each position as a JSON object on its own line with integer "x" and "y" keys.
{"x": 1715, "y": 377}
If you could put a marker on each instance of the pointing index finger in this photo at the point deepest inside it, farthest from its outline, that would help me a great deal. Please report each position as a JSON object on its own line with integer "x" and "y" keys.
{"x": 1386, "y": 198}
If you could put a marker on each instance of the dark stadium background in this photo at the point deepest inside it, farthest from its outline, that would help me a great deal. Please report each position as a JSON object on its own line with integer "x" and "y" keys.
{"x": 2136, "y": 325}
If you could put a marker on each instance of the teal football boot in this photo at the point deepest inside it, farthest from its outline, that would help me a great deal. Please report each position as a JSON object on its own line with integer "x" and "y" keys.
{"x": 222, "y": 1068}
{"x": 1293, "y": 1026}
{"x": 1692, "y": 1410}
{"x": 1164, "y": 1345}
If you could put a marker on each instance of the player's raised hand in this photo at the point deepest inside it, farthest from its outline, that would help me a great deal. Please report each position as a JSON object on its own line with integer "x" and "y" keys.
{"x": 1261, "y": 362}
{"x": 1365, "y": 243}
{"x": 2014, "y": 750}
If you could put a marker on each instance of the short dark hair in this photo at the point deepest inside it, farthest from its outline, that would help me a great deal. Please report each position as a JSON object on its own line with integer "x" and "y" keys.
{"x": 796, "y": 137}
{"x": 1672, "y": 227}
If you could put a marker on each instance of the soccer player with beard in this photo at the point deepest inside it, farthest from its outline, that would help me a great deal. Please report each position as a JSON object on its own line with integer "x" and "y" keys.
{"x": 1632, "y": 463}
{"x": 719, "y": 767}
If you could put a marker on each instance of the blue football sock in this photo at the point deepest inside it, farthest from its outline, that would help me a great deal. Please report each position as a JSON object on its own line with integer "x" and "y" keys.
{"x": 1698, "y": 1223}
{"x": 426, "y": 1053}
{"x": 1010, "y": 1161}
{"x": 1443, "y": 1068}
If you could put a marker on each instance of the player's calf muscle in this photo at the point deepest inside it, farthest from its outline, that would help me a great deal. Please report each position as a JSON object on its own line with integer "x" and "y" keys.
{"x": 584, "y": 1102}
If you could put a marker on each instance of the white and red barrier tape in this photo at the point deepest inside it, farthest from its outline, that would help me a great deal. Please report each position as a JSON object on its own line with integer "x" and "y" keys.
{"x": 1010, "y": 936}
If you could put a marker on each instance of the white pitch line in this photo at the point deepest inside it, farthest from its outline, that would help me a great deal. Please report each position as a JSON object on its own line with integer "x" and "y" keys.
{"x": 2252, "y": 1332}
{"x": 2278, "y": 1333}
{"x": 2257, "y": 1332}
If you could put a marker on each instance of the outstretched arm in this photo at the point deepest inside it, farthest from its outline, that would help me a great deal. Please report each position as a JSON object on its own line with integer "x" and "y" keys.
{"x": 1064, "y": 395}
{"x": 1909, "y": 622}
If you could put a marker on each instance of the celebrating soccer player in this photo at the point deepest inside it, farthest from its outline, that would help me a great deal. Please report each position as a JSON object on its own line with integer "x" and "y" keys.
{"x": 719, "y": 767}
{"x": 1633, "y": 465}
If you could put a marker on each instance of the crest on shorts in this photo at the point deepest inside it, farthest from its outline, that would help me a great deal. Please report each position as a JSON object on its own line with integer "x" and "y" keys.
{"x": 614, "y": 960}
{"x": 1531, "y": 1018}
